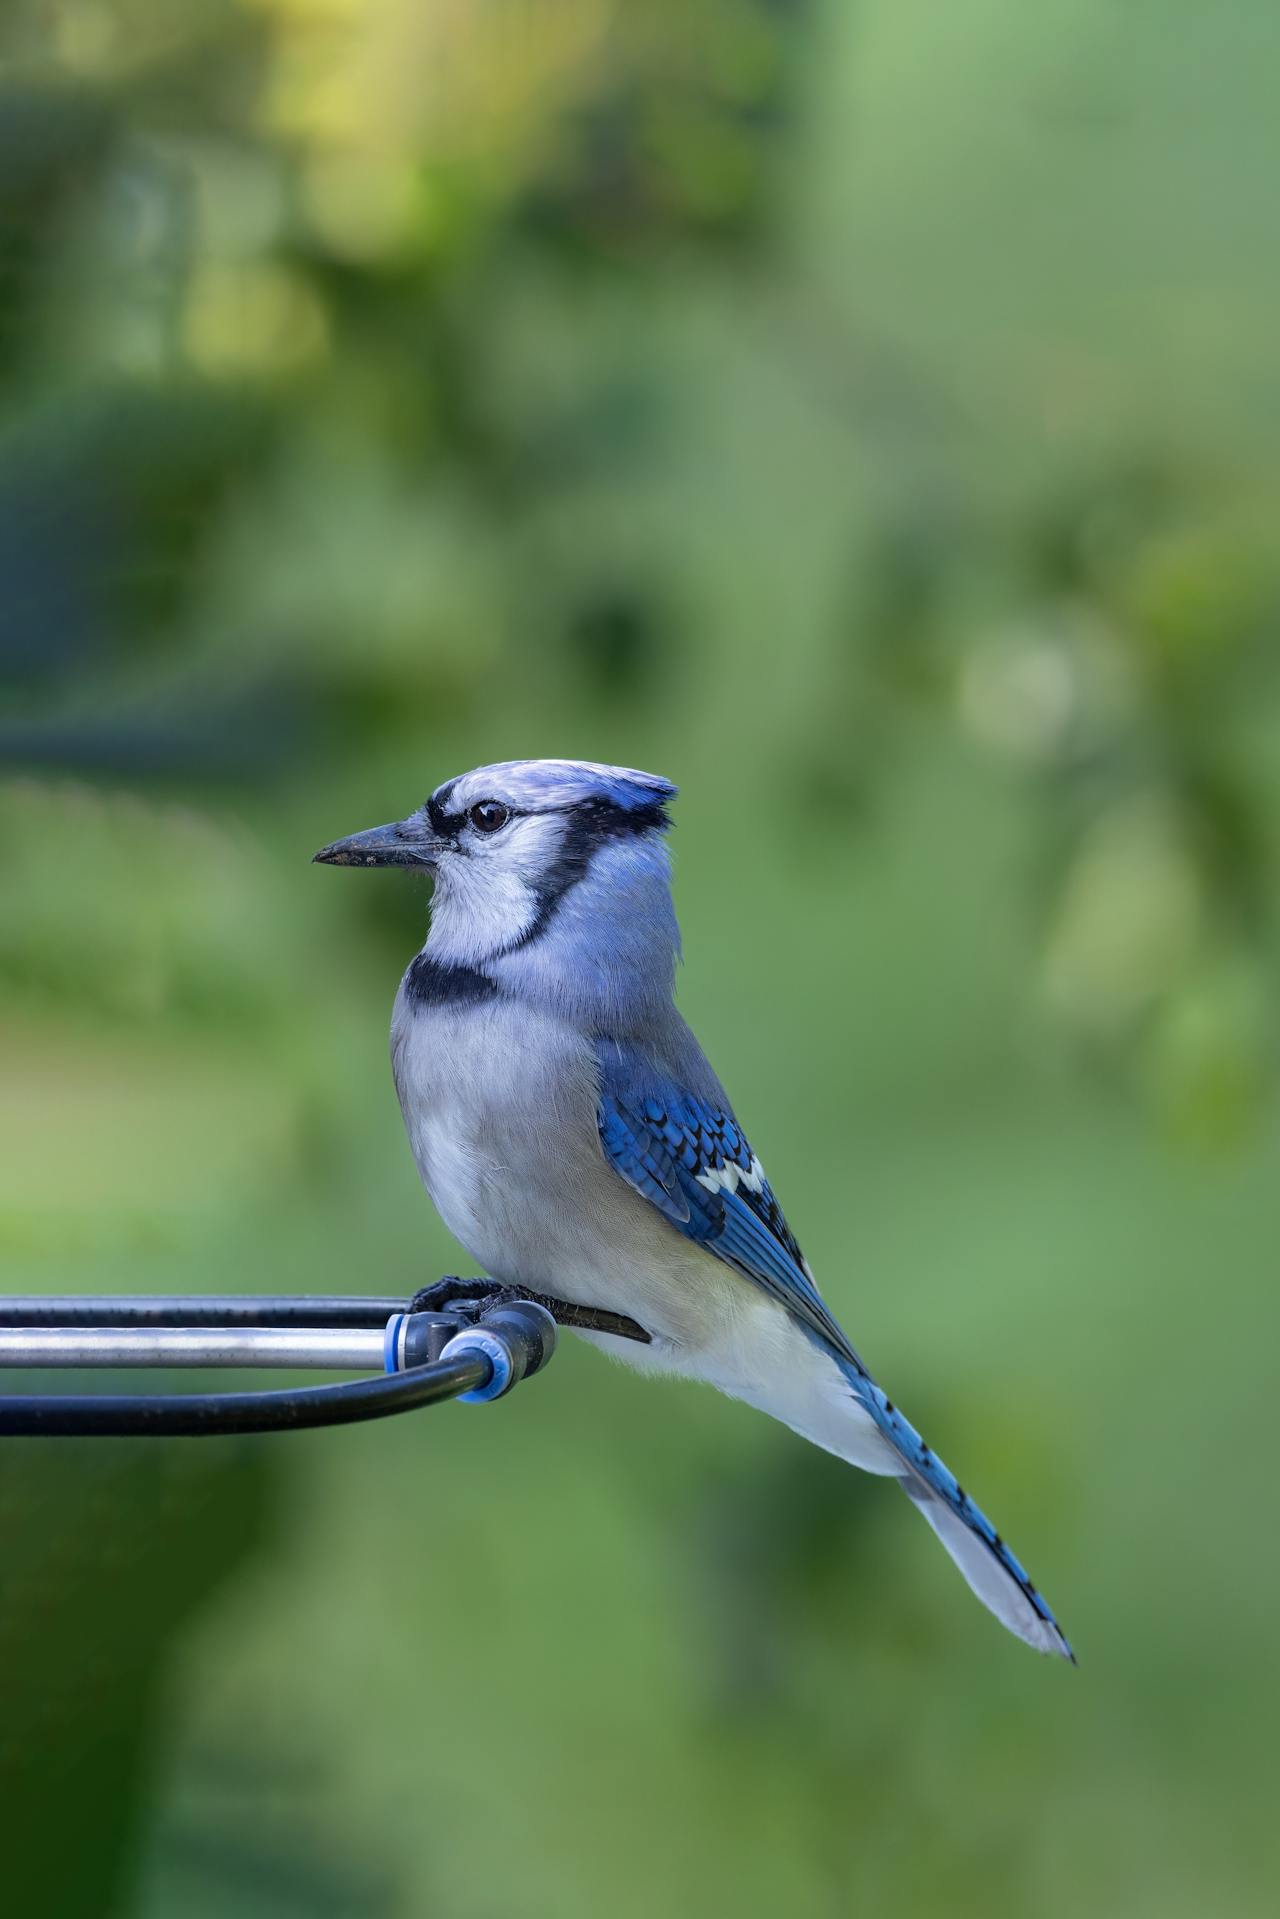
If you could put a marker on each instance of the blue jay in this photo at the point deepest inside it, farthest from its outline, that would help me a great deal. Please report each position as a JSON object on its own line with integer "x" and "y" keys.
{"x": 574, "y": 1138}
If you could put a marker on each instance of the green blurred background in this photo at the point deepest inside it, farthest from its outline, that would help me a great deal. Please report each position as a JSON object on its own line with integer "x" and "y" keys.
{"x": 865, "y": 415}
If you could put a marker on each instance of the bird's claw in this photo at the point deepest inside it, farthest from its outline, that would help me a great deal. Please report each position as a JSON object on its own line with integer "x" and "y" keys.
{"x": 451, "y": 1292}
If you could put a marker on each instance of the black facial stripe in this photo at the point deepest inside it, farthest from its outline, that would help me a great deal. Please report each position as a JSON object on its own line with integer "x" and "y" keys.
{"x": 612, "y": 821}
{"x": 605, "y": 819}
{"x": 601, "y": 819}
{"x": 431, "y": 982}
{"x": 590, "y": 825}
{"x": 442, "y": 820}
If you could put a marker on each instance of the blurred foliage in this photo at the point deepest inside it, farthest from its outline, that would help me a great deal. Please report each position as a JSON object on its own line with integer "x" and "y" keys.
{"x": 865, "y": 416}
{"x": 114, "y": 1548}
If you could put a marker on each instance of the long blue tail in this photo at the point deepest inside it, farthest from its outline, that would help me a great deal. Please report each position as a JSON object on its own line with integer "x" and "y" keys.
{"x": 994, "y": 1573}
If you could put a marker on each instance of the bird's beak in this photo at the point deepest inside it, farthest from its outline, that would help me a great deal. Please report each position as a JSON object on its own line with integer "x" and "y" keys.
{"x": 408, "y": 842}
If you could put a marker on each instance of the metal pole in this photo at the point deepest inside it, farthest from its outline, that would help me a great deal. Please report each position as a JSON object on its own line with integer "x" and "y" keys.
{"x": 318, "y": 1348}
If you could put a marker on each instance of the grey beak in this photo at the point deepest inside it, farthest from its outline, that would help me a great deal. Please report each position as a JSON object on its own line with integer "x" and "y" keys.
{"x": 408, "y": 842}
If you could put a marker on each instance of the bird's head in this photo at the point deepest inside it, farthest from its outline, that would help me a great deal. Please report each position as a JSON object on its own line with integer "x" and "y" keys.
{"x": 509, "y": 845}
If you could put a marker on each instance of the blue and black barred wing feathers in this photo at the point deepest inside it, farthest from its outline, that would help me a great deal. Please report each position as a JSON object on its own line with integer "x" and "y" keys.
{"x": 691, "y": 1160}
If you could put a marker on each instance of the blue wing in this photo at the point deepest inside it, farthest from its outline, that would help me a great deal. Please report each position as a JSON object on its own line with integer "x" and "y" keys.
{"x": 691, "y": 1159}
{"x": 687, "y": 1155}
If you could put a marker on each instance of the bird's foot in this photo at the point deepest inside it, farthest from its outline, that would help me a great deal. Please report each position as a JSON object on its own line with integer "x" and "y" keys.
{"x": 452, "y": 1291}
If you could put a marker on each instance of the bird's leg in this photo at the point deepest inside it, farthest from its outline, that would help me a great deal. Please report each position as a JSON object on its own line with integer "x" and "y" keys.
{"x": 590, "y": 1319}
{"x": 451, "y": 1291}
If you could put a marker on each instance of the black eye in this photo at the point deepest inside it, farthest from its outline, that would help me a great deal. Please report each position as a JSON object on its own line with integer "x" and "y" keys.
{"x": 488, "y": 816}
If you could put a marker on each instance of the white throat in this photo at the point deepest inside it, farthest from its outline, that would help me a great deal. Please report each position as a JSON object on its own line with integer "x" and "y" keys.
{"x": 488, "y": 896}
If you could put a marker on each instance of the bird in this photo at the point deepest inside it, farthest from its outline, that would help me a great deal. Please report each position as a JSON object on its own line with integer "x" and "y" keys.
{"x": 574, "y": 1139}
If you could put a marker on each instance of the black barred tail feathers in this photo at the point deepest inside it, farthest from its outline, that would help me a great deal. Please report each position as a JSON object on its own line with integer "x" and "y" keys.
{"x": 993, "y": 1572}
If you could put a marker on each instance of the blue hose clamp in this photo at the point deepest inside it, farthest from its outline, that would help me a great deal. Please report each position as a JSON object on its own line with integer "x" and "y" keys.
{"x": 477, "y": 1339}
{"x": 393, "y": 1344}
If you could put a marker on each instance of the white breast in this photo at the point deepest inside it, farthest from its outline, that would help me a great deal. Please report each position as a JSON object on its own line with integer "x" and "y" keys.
{"x": 499, "y": 1102}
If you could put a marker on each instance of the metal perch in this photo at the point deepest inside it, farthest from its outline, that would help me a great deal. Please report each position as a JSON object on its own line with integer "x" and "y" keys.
{"x": 473, "y": 1348}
